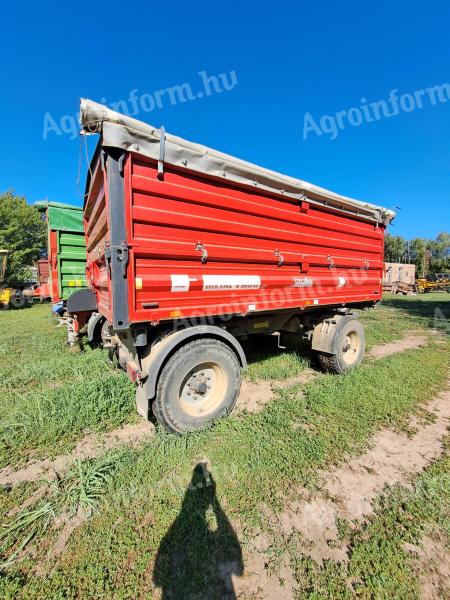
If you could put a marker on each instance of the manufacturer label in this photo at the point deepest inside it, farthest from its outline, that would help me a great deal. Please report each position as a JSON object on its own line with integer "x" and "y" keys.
{"x": 212, "y": 283}
{"x": 302, "y": 282}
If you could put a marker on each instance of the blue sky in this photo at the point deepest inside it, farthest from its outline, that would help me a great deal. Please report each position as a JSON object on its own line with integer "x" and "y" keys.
{"x": 290, "y": 59}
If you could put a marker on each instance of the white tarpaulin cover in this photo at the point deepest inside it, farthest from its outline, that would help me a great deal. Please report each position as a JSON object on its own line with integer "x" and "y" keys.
{"x": 121, "y": 131}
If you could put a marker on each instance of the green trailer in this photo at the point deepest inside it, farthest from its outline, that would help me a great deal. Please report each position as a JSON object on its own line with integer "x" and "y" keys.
{"x": 66, "y": 249}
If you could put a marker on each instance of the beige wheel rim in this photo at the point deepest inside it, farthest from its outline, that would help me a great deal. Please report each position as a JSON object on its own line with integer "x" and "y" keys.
{"x": 203, "y": 389}
{"x": 351, "y": 347}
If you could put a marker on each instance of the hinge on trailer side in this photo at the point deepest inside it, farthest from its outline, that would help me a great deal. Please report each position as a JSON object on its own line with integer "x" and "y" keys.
{"x": 304, "y": 267}
{"x": 304, "y": 204}
{"x": 331, "y": 261}
{"x": 122, "y": 164}
{"x": 108, "y": 256}
{"x": 199, "y": 247}
{"x": 162, "y": 150}
{"x": 122, "y": 257}
{"x": 280, "y": 257}
{"x": 120, "y": 254}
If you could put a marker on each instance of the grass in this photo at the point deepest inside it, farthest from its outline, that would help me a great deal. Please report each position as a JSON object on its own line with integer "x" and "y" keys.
{"x": 49, "y": 395}
{"x": 380, "y": 565}
{"x": 148, "y": 512}
{"x": 266, "y": 361}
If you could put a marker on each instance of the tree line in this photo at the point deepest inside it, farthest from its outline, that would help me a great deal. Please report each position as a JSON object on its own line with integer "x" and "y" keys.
{"x": 429, "y": 256}
{"x": 23, "y": 233}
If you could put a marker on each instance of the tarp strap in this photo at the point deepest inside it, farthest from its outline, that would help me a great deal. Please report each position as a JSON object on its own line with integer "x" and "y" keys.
{"x": 162, "y": 149}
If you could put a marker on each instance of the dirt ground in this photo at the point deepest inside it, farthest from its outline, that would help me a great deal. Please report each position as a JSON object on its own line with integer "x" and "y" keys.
{"x": 344, "y": 494}
{"x": 348, "y": 494}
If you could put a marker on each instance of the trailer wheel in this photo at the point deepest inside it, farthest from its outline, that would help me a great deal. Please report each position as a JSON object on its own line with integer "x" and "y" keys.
{"x": 199, "y": 383}
{"x": 350, "y": 346}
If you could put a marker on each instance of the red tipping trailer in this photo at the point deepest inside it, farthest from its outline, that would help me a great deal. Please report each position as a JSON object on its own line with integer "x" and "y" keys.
{"x": 189, "y": 249}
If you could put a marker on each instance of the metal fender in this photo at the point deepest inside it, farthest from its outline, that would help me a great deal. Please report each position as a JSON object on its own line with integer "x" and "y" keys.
{"x": 157, "y": 355}
{"x": 81, "y": 301}
{"x": 324, "y": 337}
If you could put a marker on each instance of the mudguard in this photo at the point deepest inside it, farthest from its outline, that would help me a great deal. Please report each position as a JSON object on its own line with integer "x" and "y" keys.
{"x": 325, "y": 337}
{"x": 157, "y": 355}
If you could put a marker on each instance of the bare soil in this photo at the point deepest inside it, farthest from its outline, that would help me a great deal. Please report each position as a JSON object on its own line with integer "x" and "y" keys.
{"x": 91, "y": 446}
{"x": 348, "y": 493}
{"x": 254, "y": 396}
{"x": 431, "y": 563}
{"x": 262, "y": 577}
{"x": 409, "y": 342}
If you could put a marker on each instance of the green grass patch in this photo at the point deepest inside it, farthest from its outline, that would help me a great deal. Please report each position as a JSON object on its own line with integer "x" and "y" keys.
{"x": 266, "y": 361}
{"x": 50, "y": 394}
{"x": 147, "y": 509}
{"x": 397, "y": 315}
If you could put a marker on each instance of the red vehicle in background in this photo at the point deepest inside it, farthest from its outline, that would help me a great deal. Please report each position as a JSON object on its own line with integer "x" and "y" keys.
{"x": 189, "y": 250}
{"x": 43, "y": 290}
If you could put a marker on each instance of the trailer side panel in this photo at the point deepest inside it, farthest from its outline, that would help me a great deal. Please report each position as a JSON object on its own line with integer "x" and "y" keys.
{"x": 197, "y": 246}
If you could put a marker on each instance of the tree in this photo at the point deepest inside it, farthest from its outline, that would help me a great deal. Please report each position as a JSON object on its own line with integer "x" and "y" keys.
{"x": 440, "y": 253}
{"x": 429, "y": 256}
{"x": 22, "y": 233}
{"x": 394, "y": 248}
{"x": 419, "y": 255}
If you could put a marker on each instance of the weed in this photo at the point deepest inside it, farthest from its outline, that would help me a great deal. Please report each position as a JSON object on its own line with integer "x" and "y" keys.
{"x": 80, "y": 490}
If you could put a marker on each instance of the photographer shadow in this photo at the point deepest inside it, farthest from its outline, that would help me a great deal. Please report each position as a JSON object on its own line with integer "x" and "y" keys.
{"x": 200, "y": 552}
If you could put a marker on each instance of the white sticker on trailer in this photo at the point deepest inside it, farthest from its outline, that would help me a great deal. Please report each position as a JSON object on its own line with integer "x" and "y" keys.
{"x": 341, "y": 282}
{"x": 212, "y": 283}
{"x": 302, "y": 282}
{"x": 180, "y": 283}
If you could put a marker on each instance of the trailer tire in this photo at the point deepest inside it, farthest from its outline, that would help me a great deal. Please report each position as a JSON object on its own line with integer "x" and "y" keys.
{"x": 350, "y": 346}
{"x": 200, "y": 382}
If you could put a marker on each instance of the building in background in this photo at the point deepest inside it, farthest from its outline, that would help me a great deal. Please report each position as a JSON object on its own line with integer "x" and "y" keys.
{"x": 399, "y": 278}
{"x": 399, "y": 272}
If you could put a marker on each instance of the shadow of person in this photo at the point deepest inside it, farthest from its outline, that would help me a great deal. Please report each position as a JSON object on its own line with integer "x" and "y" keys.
{"x": 200, "y": 552}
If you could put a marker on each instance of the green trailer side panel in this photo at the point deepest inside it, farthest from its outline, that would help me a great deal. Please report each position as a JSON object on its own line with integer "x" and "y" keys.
{"x": 68, "y": 258}
{"x": 65, "y": 219}
{"x": 71, "y": 263}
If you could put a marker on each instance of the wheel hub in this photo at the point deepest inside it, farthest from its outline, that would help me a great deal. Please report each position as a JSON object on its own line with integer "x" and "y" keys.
{"x": 202, "y": 389}
{"x": 351, "y": 347}
{"x": 199, "y": 382}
